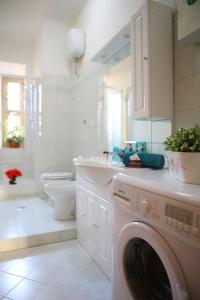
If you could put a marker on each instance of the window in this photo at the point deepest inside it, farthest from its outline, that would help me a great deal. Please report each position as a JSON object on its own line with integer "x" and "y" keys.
{"x": 116, "y": 119}
{"x": 12, "y": 112}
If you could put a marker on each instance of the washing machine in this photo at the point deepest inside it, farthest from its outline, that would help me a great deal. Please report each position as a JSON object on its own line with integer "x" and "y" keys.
{"x": 156, "y": 243}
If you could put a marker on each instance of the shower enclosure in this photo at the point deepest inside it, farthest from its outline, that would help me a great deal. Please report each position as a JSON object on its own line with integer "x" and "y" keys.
{"x": 26, "y": 157}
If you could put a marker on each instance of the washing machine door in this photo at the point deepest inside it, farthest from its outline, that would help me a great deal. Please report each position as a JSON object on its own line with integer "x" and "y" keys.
{"x": 148, "y": 268}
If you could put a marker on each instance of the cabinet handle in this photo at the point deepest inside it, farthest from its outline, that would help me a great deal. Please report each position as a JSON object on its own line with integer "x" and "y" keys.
{"x": 82, "y": 215}
{"x": 145, "y": 58}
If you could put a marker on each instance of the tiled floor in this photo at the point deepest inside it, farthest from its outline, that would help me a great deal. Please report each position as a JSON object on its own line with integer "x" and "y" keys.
{"x": 59, "y": 271}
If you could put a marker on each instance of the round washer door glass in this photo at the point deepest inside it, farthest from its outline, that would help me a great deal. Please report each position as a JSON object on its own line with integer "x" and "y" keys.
{"x": 145, "y": 272}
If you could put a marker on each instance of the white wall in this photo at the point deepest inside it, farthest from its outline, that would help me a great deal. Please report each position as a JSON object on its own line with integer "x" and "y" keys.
{"x": 186, "y": 83}
{"x": 53, "y": 48}
{"x": 48, "y": 59}
{"x": 101, "y": 20}
{"x": 17, "y": 52}
{"x": 189, "y": 21}
{"x": 85, "y": 113}
{"x": 51, "y": 64}
{"x": 55, "y": 124}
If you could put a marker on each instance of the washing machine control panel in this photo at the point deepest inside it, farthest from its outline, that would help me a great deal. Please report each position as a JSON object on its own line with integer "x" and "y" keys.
{"x": 170, "y": 214}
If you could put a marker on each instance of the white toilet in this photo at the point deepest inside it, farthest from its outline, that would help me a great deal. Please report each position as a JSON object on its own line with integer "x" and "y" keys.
{"x": 61, "y": 191}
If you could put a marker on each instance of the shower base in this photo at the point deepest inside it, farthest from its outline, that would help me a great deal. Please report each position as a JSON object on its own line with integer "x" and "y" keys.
{"x": 27, "y": 222}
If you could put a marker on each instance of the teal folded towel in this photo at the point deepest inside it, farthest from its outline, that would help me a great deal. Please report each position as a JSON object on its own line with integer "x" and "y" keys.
{"x": 149, "y": 160}
{"x": 152, "y": 160}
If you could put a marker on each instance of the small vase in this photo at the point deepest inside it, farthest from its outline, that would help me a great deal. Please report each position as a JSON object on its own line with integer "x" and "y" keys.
{"x": 13, "y": 180}
{"x": 184, "y": 166}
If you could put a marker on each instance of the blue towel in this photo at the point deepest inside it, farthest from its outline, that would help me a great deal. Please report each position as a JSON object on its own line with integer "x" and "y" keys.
{"x": 152, "y": 160}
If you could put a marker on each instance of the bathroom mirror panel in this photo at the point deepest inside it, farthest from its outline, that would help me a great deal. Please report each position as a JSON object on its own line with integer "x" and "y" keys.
{"x": 119, "y": 126}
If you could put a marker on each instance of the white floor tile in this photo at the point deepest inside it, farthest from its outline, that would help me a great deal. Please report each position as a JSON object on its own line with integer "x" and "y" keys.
{"x": 107, "y": 295}
{"x": 44, "y": 273}
{"x": 26, "y": 290}
{"x": 59, "y": 271}
{"x": 78, "y": 263}
{"x": 5, "y": 265}
{"x": 53, "y": 293}
{"x": 94, "y": 270}
{"x": 8, "y": 282}
{"x": 78, "y": 296}
{"x": 92, "y": 286}
{"x": 66, "y": 280}
{"x": 23, "y": 268}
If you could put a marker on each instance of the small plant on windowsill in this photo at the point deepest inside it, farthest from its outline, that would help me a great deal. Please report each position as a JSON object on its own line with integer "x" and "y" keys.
{"x": 14, "y": 138}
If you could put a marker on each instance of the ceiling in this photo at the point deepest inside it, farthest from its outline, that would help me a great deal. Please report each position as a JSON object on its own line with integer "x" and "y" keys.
{"x": 21, "y": 19}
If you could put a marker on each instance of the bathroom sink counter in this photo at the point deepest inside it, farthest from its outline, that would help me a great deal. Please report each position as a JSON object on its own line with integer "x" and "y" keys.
{"x": 97, "y": 173}
{"x": 98, "y": 163}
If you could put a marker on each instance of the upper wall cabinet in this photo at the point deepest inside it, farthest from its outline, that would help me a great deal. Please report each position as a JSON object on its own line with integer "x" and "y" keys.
{"x": 152, "y": 49}
{"x": 189, "y": 22}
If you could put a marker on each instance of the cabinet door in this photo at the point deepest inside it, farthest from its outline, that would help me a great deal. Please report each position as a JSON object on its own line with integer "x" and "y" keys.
{"x": 104, "y": 235}
{"x": 139, "y": 37}
{"x": 81, "y": 211}
{"x": 92, "y": 223}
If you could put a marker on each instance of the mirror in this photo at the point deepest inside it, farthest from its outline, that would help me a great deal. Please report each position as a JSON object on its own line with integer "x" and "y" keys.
{"x": 119, "y": 125}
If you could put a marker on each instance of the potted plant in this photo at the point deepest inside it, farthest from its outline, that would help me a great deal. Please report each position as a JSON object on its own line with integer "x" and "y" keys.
{"x": 183, "y": 153}
{"x": 12, "y": 174}
{"x": 14, "y": 138}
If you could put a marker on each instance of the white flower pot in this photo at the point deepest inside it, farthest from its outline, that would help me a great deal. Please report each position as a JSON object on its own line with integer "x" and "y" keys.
{"x": 184, "y": 166}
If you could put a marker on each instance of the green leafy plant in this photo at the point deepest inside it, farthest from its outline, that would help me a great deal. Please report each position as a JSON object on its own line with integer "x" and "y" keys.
{"x": 191, "y": 2}
{"x": 184, "y": 140}
{"x": 15, "y": 136}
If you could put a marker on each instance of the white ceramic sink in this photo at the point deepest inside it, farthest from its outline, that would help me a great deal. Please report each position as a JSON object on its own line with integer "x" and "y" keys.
{"x": 97, "y": 171}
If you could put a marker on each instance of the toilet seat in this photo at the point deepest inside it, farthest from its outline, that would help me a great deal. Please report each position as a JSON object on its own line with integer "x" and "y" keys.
{"x": 56, "y": 176}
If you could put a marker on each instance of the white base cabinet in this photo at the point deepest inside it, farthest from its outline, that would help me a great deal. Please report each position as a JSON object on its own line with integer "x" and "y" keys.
{"x": 94, "y": 225}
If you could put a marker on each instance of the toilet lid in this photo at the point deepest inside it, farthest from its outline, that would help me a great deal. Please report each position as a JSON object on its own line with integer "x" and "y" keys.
{"x": 57, "y": 175}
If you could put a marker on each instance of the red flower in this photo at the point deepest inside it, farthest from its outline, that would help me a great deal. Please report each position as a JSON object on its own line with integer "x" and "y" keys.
{"x": 13, "y": 173}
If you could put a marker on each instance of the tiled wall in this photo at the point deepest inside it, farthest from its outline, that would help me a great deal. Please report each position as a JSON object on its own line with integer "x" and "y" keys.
{"x": 55, "y": 124}
{"x": 84, "y": 118}
{"x": 186, "y": 83}
{"x": 87, "y": 134}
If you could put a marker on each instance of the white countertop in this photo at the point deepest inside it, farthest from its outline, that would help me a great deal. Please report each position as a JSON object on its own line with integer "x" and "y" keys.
{"x": 99, "y": 163}
{"x": 160, "y": 182}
